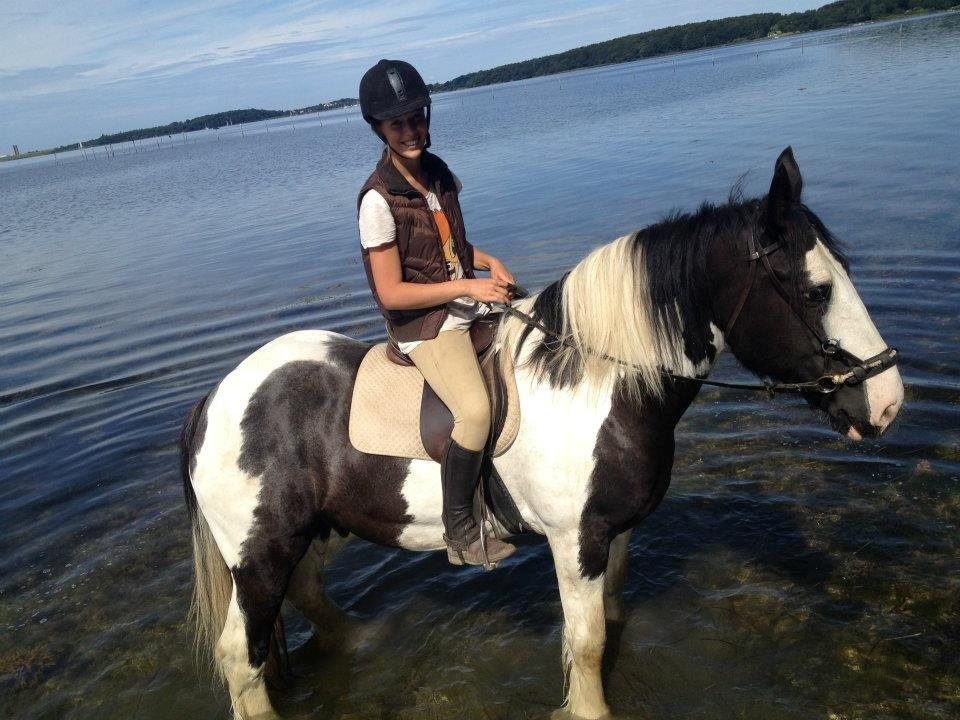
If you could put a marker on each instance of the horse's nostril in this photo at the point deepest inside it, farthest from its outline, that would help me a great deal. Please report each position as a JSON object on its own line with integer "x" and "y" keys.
{"x": 888, "y": 415}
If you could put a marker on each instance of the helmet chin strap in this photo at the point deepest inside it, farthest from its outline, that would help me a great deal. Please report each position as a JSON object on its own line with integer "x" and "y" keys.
{"x": 426, "y": 143}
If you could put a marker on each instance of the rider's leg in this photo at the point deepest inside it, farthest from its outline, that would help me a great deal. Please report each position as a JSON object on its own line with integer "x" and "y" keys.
{"x": 449, "y": 365}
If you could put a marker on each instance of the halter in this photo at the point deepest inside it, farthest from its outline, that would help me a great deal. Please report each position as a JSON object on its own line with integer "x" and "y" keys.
{"x": 857, "y": 370}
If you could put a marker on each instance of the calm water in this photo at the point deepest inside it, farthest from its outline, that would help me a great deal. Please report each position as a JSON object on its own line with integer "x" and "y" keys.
{"x": 788, "y": 574}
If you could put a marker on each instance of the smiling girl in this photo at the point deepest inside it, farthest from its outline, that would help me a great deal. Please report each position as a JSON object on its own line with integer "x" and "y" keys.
{"x": 420, "y": 267}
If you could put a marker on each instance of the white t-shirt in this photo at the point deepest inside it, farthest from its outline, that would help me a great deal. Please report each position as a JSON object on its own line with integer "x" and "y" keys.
{"x": 377, "y": 227}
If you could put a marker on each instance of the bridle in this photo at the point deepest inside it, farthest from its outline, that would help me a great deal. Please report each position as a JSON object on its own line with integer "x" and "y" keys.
{"x": 856, "y": 372}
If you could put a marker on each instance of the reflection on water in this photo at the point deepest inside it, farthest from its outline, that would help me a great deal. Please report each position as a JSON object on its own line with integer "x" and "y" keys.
{"x": 788, "y": 574}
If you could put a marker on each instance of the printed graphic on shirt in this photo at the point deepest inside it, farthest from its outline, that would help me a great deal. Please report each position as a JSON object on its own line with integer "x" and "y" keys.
{"x": 448, "y": 245}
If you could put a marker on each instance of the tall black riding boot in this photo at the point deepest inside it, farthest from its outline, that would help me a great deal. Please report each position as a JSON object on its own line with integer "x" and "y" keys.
{"x": 466, "y": 545}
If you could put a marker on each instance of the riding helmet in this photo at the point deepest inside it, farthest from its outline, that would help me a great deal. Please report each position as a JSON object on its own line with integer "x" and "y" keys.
{"x": 391, "y": 88}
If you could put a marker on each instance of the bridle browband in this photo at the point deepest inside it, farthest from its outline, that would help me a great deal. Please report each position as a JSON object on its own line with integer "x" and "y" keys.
{"x": 856, "y": 373}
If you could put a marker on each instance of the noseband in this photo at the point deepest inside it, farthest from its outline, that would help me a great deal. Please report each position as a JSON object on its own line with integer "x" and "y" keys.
{"x": 857, "y": 370}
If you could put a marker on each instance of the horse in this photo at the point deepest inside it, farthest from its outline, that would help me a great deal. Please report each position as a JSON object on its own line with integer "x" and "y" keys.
{"x": 610, "y": 357}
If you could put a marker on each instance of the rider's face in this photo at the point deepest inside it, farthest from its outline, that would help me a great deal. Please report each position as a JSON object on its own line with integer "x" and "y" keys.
{"x": 406, "y": 134}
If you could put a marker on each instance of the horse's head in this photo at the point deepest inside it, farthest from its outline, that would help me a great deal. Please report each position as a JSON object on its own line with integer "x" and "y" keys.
{"x": 791, "y": 312}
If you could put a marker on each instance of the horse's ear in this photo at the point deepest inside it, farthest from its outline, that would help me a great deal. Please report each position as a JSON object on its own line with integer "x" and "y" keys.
{"x": 784, "y": 190}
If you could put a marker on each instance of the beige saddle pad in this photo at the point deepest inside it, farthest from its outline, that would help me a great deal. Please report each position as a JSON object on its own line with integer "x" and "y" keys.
{"x": 385, "y": 410}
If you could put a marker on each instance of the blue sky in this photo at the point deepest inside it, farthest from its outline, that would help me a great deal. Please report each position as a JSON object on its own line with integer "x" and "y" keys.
{"x": 72, "y": 70}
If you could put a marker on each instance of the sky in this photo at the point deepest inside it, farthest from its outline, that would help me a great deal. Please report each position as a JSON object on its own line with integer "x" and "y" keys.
{"x": 73, "y": 70}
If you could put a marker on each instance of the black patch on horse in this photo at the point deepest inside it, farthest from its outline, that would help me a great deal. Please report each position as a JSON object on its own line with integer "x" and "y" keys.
{"x": 545, "y": 356}
{"x": 634, "y": 458}
{"x": 673, "y": 255}
{"x": 296, "y": 441}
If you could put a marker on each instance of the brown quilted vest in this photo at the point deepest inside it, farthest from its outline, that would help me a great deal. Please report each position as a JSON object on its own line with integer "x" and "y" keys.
{"x": 418, "y": 241}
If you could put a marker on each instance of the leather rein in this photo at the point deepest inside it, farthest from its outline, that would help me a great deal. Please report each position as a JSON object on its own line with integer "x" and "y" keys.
{"x": 856, "y": 373}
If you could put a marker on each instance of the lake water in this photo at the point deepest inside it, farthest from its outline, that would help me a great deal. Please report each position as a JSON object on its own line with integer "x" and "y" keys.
{"x": 788, "y": 573}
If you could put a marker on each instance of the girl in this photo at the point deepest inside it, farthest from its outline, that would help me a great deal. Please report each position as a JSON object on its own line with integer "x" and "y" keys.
{"x": 421, "y": 270}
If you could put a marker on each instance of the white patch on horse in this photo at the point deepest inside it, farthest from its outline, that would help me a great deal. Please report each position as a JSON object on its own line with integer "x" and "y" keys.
{"x": 548, "y": 467}
{"x": 227, "y": 494}
{"x": 848, "y": 321}
{"x": 424, "y": 497}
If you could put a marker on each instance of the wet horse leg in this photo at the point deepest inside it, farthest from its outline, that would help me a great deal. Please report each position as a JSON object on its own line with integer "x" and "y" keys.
{"x": 615, "y": 576}
{"x": 584, "y": 631}
{"x": 248, "y": 691}
{"x": 259, "y": 583}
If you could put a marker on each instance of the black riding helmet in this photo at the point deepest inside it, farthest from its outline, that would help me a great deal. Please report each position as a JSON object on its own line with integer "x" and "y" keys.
{"x": 391, "y": 88}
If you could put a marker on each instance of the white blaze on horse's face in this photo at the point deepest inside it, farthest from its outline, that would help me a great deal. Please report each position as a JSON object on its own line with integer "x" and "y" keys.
{"x": 846, "y": 319}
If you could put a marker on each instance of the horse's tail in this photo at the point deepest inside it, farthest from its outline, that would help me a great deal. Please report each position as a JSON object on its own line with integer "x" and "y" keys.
{"x": 213, "y": 584}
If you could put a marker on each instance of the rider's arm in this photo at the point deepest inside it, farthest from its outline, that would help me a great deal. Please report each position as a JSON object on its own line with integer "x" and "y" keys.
{"x": 398, "y": 295}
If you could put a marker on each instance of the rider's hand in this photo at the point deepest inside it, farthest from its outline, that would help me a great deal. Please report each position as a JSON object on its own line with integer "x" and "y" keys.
{"x": 488, "y": 290}
{"x": 498, "y": 271}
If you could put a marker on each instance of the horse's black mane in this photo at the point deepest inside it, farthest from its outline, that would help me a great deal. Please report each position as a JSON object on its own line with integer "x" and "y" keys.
{"x": 672, "y": 254}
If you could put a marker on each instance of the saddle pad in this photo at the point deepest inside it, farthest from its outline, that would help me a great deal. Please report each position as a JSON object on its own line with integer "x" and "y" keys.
{"x": 385, "y": 409}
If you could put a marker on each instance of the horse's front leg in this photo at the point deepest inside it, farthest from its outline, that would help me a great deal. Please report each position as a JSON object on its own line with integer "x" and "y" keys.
{"x": 583, "y": 631}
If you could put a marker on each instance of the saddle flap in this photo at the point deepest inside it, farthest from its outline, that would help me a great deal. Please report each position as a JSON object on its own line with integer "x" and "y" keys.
{"x": 410, "y": 420}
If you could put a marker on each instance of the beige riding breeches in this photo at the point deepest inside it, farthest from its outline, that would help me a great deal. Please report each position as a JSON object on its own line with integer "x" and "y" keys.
{"x": 449, "y": 365}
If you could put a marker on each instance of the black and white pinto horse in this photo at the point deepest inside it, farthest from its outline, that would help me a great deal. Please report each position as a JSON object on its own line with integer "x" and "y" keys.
{"x": 269, "y": 471}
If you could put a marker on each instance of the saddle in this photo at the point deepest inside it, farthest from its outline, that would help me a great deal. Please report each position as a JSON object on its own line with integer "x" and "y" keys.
{"x": 394, "y": 412}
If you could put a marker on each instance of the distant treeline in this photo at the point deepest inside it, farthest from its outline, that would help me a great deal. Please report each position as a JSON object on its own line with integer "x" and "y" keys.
{"x": 333, "y": 104}
{"x": 210, "y": 122}
{"x": 216, "y": 120}
{"x": 696, "y": 36}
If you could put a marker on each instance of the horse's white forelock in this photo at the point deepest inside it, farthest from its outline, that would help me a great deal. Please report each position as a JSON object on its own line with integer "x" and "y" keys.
{"x": 607, "y": 313}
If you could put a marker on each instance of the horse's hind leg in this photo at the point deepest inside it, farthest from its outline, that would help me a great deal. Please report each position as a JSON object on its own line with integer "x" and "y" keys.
{"x": 584, "y": 631}
{"x": 306, "y": 590}
{"x": 614, "y": 577}
{"x": 260, "y": 582}
{"x": 248, "y": 691}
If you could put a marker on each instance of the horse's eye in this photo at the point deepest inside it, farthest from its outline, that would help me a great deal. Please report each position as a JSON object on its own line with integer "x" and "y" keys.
{"x": 818, "y": 294}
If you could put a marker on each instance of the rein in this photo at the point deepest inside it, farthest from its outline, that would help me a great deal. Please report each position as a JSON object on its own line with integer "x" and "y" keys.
{"x": 858, "y": 370}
